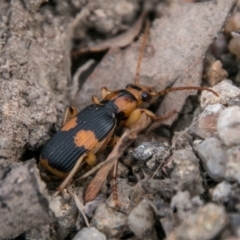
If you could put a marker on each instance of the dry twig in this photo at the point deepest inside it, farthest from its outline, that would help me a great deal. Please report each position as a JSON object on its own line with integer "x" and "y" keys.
{"x": 79, "y": 206}
{"x": 104, "y": 168}
{"x": 121, "y": 40}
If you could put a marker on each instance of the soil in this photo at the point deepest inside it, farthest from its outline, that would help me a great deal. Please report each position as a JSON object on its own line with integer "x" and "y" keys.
{"x": 54, "y": 54}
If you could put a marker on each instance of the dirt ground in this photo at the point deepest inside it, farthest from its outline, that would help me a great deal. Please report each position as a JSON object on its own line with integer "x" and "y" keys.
{"x": 171, "y": 184}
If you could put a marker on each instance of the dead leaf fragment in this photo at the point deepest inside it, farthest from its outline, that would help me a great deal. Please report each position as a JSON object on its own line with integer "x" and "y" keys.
{"x": 121, "y": 40}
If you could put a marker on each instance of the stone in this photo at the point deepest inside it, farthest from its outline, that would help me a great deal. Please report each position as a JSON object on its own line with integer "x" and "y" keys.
{"x": 226, "y": 91}
{"x": 186, "y": 171}
{"x": 141, "y": 220}
{"x": 212, "y": 153}
{"x": 89, "y": 234}
{"x": 232, "y": 172}
{"x": 206, "y": 123}
{"x": 221, "y": 192}
{"x": 205, "y": 224}
{"x": 109, "y": 221}
{"x": 228, "y": 126}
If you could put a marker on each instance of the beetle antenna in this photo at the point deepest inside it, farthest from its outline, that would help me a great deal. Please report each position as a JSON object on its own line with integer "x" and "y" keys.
{"x": 174, "y": 89}
{"x": 145, "y": 36}
{"x": 114, "y": 185}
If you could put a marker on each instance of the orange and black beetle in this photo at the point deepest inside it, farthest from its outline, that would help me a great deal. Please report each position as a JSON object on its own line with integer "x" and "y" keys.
{"x": 90, "y": 131}
{"x": 87, "y": 133}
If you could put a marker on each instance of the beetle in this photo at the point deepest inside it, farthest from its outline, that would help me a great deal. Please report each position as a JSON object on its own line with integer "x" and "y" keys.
{"x": 91, "y": 130}
{"x": 85, "y": 134}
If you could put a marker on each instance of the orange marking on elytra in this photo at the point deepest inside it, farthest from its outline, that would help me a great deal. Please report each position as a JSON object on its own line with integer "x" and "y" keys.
{"x": 85, "y": 138}
{"x": 72, "y": 123}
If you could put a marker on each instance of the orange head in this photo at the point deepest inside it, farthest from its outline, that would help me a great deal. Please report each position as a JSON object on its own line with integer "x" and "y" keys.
{"x": 142, "y": 93}
{"x": 127, "y": 100}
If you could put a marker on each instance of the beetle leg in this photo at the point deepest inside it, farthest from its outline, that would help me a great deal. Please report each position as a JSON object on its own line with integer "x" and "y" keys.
{"x": 113, "y": 140}
{"x": 114, "y": 185}
{"x": 137, "y": 113}
{"x": 69, "y": 113}
{"x": 141, "y": 52}
{"x": 95, "y": 100}
{"x": 105, "y": 91}
{"x": 91, "y": 159}
{"x": 162, "y": 117}
{"x": 71, "y": 174}
{"x": 134, "y": 117}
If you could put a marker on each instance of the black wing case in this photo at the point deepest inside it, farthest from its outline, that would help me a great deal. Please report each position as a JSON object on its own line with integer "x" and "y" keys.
{"x": 61, "y": 151}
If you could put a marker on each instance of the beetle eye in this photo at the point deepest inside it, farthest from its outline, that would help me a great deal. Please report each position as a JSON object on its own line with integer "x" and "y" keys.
{"x": 145, "y": 97}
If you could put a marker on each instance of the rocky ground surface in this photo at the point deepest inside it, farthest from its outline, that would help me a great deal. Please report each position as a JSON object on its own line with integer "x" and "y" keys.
{"x": 179, "y": 181}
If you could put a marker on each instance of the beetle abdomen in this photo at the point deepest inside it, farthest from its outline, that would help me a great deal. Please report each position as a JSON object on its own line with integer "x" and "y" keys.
{"x": 88, "y": 131}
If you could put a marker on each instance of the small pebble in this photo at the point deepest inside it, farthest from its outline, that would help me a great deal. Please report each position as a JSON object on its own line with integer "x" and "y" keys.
{"x": 141, "y": 219}
{"x": 186, "y": 171}
{"x": 6, "y": 75}
{"x": 184, "y": 204}
{"x": 234, "y": 46}
{"x": 234, "y": 221}
{"x": 213, "y": 155}
{"x": 219, "y": 46}
{"x": 233, "y": 23}
{"x": 234, "y": 101}
{"x": 109, "y": 221}
{"x": 90, "y": 207}
{"x": 206, "y": 122}
{"x": 205, "y": 224}
{"x": 42, "y": 232}
{"x": 214, "y": 73}
{"x": 228, "y": 126}
{"x": 147, "y": 149}
{"x": 221, "y": 192}
{"x": 149, "y": 155}
{"x": 166, "y": 188}
{"x": 181, "y": 140}
{"x": 232, "y": 172}
{"x": 89, "y": 234}
{"x": 226, "y": 91}
{"x": 234, "y": 199}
